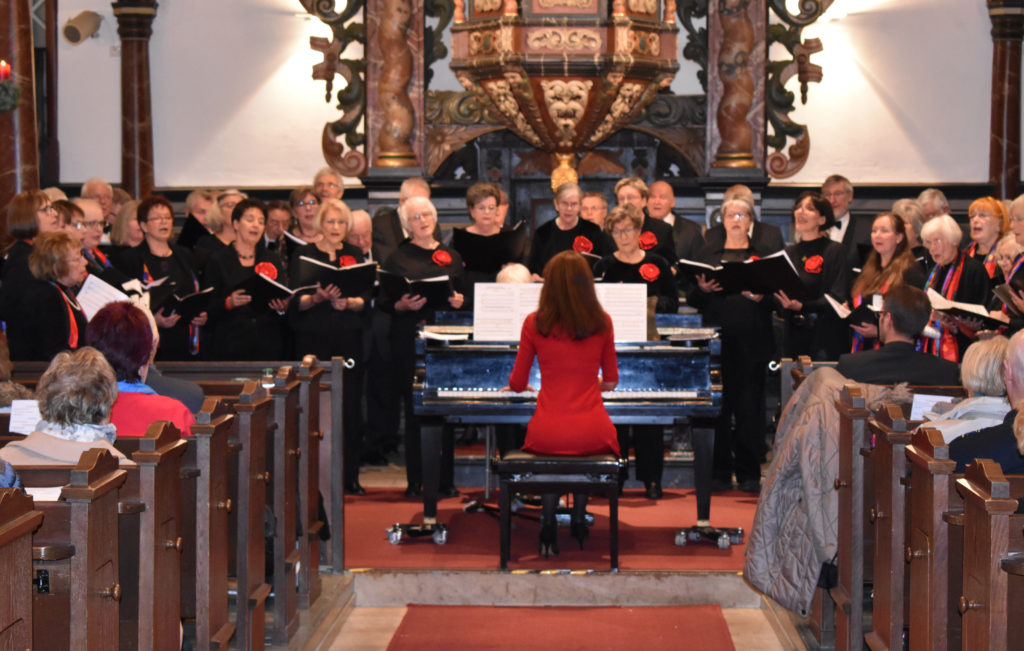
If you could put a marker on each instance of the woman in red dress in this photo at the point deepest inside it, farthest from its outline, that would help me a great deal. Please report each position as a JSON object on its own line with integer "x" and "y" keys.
{"x": 572, "y": 338}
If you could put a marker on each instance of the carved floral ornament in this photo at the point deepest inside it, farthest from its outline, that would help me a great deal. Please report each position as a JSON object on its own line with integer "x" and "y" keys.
{"x": 481, "y": 6}
{"x": 624, "y": 102}
{"x": 564, "y": 39}
{"x": 643, "y": 6}
{"x": 500, "y": 92}
{"x": 572, "y": 4}
{"x": 566, "y": 102}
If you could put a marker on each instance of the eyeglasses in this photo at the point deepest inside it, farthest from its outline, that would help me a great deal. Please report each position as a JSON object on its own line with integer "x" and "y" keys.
{"x": 836, "y": 195}
{"x": 619, "y": 232}
{"x": 327, "y": 185}
{"x": 46, "y": 210}
{"x": 160, "y": 218}
{"x": 420, "y": 215}
{"x": 485, "y": 209}
{"x": 88, "y": 224}
{"x": 307, "y": 202}
{"x": 735, "y": 215}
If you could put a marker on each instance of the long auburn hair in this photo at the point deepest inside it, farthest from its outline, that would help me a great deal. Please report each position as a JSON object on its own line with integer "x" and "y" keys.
{"x": 568, "y": 303}
{"x": 873, "y": 277}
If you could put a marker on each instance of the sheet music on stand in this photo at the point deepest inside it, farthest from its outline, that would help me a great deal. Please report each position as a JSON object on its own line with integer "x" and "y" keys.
{"x": 499, "y": 309}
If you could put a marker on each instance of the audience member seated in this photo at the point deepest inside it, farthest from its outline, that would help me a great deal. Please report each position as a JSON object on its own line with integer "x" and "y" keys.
{"x": 986, "y": 404}
{"x": 571, "y": 336}
{"x": 75, "y": 396}
{"x": 50, "y": 319}
{"x": 905, "y": 312}
{"x": 122, "y": 333}
{"x": 9, "y": 477}
{"x": 999, "y": 442}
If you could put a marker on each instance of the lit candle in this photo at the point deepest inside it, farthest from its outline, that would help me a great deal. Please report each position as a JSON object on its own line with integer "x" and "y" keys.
{"x": 5, "y": 70}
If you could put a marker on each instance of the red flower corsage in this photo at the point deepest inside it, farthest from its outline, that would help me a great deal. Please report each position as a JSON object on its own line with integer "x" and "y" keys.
{"x": 266, "y": 269}
{"x": 582, "y": 244}
{"x": 812, "y": 265}
{"x": 346, "y": 261}
{"x": 441, "y": 258}
{"x": 649, "y": 272}
{"x": 648, "y": 240}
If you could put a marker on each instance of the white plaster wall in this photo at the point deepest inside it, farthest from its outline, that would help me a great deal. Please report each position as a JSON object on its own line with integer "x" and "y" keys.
{"x": 905, "y": 94}
{"x": 233, "y": 98}
{"x": 904, "y": 97}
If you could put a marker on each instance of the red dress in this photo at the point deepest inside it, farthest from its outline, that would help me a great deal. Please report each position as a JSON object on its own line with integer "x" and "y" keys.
{"x": 570, "y": 418}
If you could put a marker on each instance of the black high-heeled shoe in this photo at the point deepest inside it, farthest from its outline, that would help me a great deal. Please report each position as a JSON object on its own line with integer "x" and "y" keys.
{"x": 579, "y": 530}
{"x": 548, "y": 540}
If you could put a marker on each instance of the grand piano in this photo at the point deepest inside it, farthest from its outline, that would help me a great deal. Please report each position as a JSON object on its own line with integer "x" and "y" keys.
{"x": 660, "y": 383}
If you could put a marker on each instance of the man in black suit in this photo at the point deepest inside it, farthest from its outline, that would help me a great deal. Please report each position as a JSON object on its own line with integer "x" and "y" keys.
{"x": 998, "y": 442}
{"x": 655, "y": 235}
{"x": 686, "y": 233}
{"x": 853, "y": 234}
{"x": 764, "y": 237}
{"x": 387, "y": 228}
{"x": 905, "y": 312}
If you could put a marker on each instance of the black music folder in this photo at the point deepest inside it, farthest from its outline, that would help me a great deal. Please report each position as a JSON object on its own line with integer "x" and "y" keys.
{"x": 436, "y": 290}
{"x": 263, "y": 290}
{"x": 188, "y": 306}
{"x": 863, "y": 314}
{"x": 1004, "y": 293}
{"x": 488, "y": 253}
{"x": 765, "y": 275}
{"x": 963, "y": 310}
{"x": 353, "y": 280}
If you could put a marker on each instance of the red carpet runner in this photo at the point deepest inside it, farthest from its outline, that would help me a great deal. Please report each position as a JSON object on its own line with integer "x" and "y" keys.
{"x": 674, "y": 628}
{"x": 646, "y": 535}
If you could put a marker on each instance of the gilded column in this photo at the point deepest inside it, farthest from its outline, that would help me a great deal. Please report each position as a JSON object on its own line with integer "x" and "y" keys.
{"x": 19, "y": 145}
{"x": 1004, "y": 131}
{"x": 736, "y": 73}
{"x": 394, "y": 70}
{"x": 135, "y": 26}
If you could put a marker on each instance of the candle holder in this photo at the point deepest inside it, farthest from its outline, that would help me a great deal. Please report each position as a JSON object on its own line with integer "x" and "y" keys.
{"x": 10, "y": 93}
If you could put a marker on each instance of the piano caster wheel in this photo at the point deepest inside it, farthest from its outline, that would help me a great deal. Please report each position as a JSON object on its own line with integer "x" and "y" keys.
{"x": 394, "y": 534}
{"x": 695, "y": 535}
{"x": 681, "y": 539}
{"x": 723, "y": 541}
{"x": 736, "y": 536}
{"x": 440, "y": 536}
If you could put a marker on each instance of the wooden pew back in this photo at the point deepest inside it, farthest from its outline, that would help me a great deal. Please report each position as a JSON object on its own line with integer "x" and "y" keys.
{"x": 18, "y": 519}
{"x": 282, "y": 495}
{"x": 309, "y": 374}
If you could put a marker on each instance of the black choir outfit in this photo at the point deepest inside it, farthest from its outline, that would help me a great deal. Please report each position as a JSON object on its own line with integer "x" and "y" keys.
{"x": 48, "y": 321}
{"x": 657, "y": 237}
{"x": 913, "y": 276}
{"x": 249, "y": 332}
{"x": 206, "y": 248}
{"x": 178, "y": 343}
{"x": 816, "y": 330}
{"x": 97, "y": 263}
{"x": 965, "y": 280}
{"x": 17, "y": 286}
{"x": 326, "y": 332}
{"x": 485, "y": 255}
{"x": 415, "y": 263}
{"x": 191, "y": 232}
{"x": 550, "y": 240}
{"x": 747, "y": 346}
{"x": 653, "y": 271}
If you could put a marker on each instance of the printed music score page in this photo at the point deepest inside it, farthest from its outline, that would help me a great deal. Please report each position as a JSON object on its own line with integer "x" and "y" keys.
{"x": 499, "y": 309}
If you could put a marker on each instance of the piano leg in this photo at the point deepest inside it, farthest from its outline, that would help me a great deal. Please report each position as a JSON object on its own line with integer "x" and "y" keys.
{"x": 703, "y": 459}
{"x": 430, "y": 449}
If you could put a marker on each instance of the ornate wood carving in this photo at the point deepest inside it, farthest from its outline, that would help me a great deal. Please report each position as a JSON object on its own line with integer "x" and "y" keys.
{"x": 346, "y": 158}
{"x": 733, "y": 27}
{"x": 392, "y": 58}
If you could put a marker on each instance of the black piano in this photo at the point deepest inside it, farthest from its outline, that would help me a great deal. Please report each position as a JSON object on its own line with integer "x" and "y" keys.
{"x": 660, "y": 383}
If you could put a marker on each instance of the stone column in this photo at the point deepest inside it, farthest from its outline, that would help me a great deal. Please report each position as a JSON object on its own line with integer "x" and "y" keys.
{"x": 135, "y": 26}
{"x": 19, "y": 146}
{"x": 1004, "y": 131}
{"x": 736, "y": 77}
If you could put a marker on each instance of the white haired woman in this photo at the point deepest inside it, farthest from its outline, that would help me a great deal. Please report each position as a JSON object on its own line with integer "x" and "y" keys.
{"x": 958, "y": 277}
{"x": 417, "y": 257}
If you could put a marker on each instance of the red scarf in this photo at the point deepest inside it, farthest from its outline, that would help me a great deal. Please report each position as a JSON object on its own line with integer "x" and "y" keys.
{"x": 946, "y": 346}
{"x": 72, "y": 306}
{"x": 990, "y": 259}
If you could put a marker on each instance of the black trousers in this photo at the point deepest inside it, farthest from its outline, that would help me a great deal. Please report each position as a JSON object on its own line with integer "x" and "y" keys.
{"x": 739, "y": 448}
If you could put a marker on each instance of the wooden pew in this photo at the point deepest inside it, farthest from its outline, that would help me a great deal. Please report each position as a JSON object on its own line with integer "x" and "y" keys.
{"x": 18, "y": 519}
{"x": 990, "y": 603}
{"x": 208, "y": 455}
{"x": 887, "y": 516}
{"x": 848, "y": 594}
{"x": 935, "y": 544}
{"x": 252, "y": 411}
{"x": 284, "y": 453}
{"x": 75, "y": 557}
{"x": 337, "y": 512}
{"x": 309, "y": 374}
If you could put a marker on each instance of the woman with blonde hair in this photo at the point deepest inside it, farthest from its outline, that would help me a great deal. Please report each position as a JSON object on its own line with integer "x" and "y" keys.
{"x": 571, "y": 336}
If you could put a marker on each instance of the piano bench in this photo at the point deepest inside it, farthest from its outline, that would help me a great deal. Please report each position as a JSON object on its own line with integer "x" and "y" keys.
{"x": 524, "y": 472}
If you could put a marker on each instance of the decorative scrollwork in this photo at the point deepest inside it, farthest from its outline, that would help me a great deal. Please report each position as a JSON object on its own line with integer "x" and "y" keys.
{"x": 667, "y": 110}
{"x": 443, "y": 10}
{"x": 555, "y": 38}
{"x": 573, "y": 4}
{"x": 351, "y": 99}
{"x": 779, "y": 102}
{"x": 500, "y": 91}
{"x": 567, "y": 103}
{"x": 696, "y": 48}
{"x": 643, "y": 6}
{"x": 464, "y": 108}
